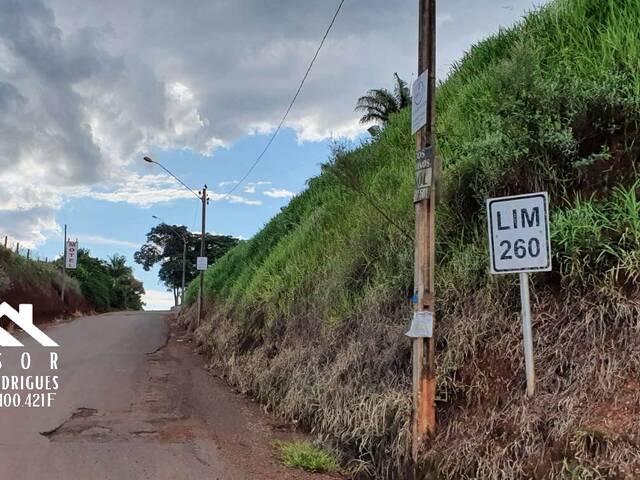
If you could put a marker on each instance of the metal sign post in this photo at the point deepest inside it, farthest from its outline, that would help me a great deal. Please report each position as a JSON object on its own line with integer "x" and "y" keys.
{"x": 527, "y": 334}
{"x": 519, "y": 243}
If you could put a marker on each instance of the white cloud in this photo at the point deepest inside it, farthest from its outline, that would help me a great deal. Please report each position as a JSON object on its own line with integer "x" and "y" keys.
{"x": 250, "y": 187}
{"x": 100, "y": 240}
{"x": 227, "y": 182}
{"x": 84, "y": 89}
{"x": 147, "y": 190}
{"x": 216, "y": 197}
{"x": 278, "y": 193}
{"x": 157, "y": 300}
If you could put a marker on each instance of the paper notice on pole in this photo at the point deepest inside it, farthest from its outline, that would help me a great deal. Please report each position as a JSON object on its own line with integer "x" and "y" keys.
{"x": 201, "y": 263}
{"x": 421, "y": 325}
{"x": 71, "y": 260}
{"x": 419, "y": 102}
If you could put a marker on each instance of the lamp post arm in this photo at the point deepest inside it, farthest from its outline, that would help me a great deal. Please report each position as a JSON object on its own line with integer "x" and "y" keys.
{"x": 177, "y": 178}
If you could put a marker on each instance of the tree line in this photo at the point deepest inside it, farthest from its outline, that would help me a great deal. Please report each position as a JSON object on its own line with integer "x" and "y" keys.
{"x": 107, "y": 284}
{"x": 165, "y": 245}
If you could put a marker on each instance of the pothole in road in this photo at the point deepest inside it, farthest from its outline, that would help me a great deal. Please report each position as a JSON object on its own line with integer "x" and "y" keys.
{"x": 157, "y": 412}
{"x": 87, "y": 424}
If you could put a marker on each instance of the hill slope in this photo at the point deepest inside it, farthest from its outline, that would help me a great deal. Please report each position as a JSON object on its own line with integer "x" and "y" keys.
{"x": 38, "y": 283}
{"x": 309, "y": 315}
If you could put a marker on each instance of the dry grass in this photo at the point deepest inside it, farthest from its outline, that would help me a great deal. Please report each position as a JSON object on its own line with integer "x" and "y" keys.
{"x": 310, "y": 313}
{"x": 352, "y": 386}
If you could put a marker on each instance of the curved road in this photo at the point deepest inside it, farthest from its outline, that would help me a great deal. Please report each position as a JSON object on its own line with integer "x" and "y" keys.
{"x": 134, "y": 402}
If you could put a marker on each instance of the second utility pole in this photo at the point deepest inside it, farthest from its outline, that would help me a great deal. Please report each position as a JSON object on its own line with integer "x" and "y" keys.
{"x": 202, "y": 253}
{"x": 423, "y": 358}
{"x": 64, "y": 263}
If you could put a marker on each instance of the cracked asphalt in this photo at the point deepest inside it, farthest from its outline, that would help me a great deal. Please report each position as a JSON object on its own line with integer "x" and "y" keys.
{"x": 134, "y": 402}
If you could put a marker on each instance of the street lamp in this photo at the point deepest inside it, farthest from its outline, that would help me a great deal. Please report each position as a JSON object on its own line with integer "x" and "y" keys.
{"x": 202, "y": 196}
{"x": 184, "y": 255}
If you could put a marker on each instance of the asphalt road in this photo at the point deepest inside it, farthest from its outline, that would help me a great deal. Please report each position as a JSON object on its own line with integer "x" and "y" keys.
{"x": 133, "y": 402}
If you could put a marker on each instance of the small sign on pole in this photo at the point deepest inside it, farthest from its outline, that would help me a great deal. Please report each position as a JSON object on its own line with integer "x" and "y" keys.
{"x": 201, "y": 263}
{"x": 519, "y": 243}
{"x": 419, "y": 102}
{"x": 424, "y": 173}
{"x": 71, "y": 257}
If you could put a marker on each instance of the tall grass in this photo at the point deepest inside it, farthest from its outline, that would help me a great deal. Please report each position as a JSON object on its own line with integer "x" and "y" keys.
{"x": 32, "y": 274}
{"x": 308, "y": 315}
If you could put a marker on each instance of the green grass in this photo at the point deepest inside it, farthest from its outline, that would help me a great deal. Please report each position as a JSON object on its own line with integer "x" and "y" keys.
{"x": 306, "y": 456}
{"x": 14, "y": 267}
{"x": 517, "y": 114}
{"x": 310, "y": 312}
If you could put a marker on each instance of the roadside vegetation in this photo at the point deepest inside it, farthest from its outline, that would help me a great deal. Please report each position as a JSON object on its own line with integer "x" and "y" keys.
{"x": 306, "y": 456}
{"x": 107, "y": 284}
{"x": 166, "y": 245}
{"x": 96, "y": 285}
{"x": 309, "y": 315}
{"x": 378, "y": 104}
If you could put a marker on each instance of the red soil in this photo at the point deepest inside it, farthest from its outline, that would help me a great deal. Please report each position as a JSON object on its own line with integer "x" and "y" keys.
{"x": 46, "y": 302}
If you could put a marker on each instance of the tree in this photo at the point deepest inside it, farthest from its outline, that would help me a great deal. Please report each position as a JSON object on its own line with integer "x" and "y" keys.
{"x": 107, "y": 285}
{"x": 127, "y": 290}
{"x": 378, "y": 104}
{"x": 165, "y": 245}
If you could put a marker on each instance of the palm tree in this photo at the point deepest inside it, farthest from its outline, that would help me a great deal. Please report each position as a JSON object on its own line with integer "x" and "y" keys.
{"x": 117, "y": 266}
{"x": 378, "y": 104}
{"x": 122, "y": 278}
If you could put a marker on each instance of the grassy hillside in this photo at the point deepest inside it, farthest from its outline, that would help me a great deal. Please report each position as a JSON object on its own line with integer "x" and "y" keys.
{"x": 95, "y": 285}
{"x": 309, "y": 315}
{"x": 38, "y": 283}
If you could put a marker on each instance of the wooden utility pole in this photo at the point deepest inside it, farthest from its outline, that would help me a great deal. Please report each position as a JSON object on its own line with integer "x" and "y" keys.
{"x": 64, "y": 263}
{"x": 202, "y": 253}
{"x": 423, "y": 358}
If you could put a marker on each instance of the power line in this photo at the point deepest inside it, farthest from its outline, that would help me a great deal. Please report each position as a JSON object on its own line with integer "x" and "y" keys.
{"x": 286, "y": 113}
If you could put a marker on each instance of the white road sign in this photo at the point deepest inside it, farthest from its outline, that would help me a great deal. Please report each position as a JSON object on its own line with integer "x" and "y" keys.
{"x": 72, "y": 255}
{"x": 419, "y": 102}
{"x": 519, "y": 233}
{"x": 201, "y": 263}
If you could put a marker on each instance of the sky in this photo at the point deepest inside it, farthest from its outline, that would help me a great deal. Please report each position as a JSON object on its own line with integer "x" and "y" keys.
{"x": 87, "y": 88}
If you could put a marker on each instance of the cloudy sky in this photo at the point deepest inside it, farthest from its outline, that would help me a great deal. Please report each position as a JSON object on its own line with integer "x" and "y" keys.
{"x": 89, "y": 87}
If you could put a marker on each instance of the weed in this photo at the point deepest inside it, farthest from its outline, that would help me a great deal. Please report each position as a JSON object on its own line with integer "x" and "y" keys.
{"x": 305, "y": 455}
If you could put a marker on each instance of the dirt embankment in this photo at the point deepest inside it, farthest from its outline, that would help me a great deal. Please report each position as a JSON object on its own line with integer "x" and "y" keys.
{"x": 46, "y": 301}
{"x": 24, "y": 281}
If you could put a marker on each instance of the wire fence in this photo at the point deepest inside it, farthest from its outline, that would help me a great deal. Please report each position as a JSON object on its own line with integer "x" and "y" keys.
{"x": 25, "y": 252}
